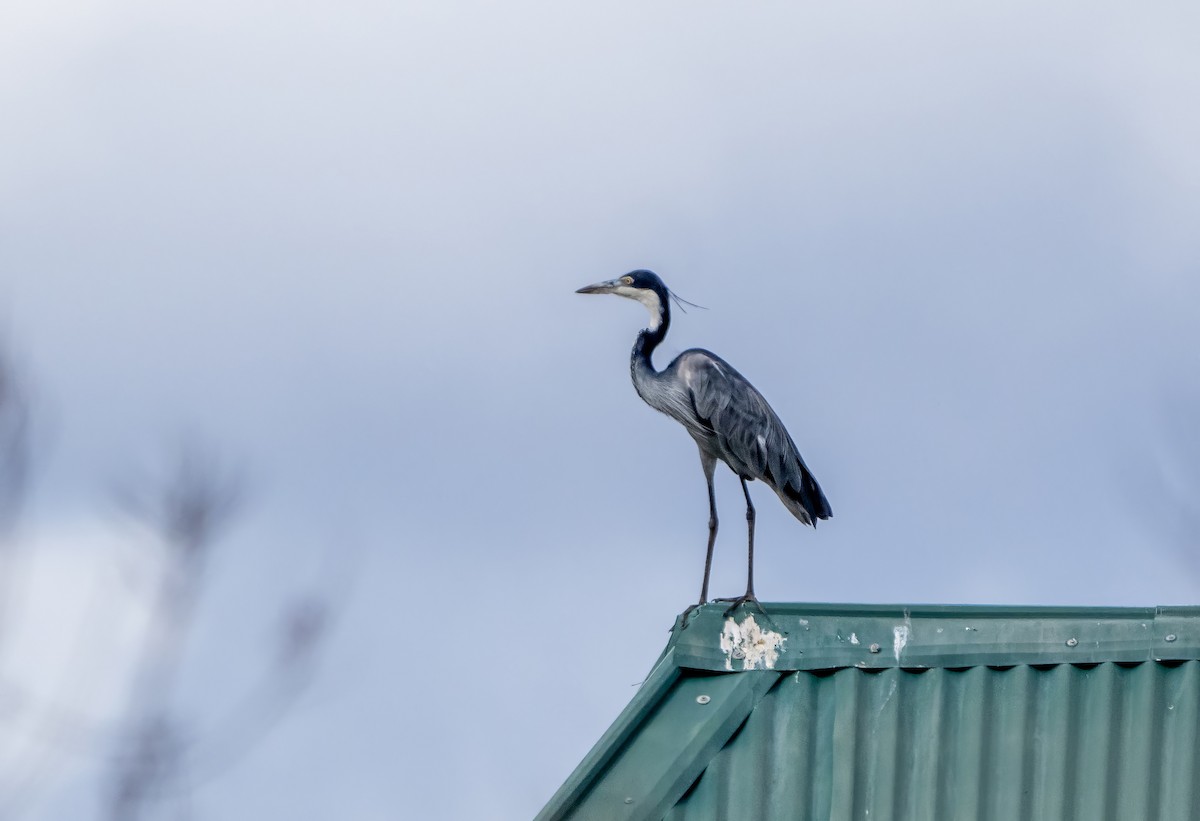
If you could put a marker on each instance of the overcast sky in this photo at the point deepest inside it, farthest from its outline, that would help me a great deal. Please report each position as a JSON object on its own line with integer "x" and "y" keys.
{"x": 956, "y": 247}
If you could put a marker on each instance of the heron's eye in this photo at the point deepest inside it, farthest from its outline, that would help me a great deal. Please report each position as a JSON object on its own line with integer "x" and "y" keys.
{"x": 626, "y": 280}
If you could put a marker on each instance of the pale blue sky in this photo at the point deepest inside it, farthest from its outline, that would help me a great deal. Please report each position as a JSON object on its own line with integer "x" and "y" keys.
{"x": 956, "y": 248}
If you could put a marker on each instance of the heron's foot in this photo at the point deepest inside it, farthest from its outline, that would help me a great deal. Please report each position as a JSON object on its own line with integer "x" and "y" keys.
{"x": 750, "y": 599}
{"x": 686, "y": 615}
{"x": 747, "y": 598}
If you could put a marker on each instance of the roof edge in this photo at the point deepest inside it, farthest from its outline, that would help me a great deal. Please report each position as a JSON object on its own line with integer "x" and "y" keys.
{"x": 795, "y": 636}
{"x": 666, "y": 671}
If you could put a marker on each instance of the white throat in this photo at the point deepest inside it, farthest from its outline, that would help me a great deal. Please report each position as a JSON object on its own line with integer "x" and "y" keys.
{"x": 647, "y": 298}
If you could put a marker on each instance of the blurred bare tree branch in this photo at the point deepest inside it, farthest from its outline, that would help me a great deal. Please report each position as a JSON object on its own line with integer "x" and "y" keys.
{"x": 151, "y": 760}
{"x": 158, "y": 763}
{"x": 57, "y": 727}
{"x": 1163, "y": 478}
{"x": 1178, "y": 474}
{"x": 14, "y": 441}
{"x": 187, "y": 509}
{"x": 14, "y": 474}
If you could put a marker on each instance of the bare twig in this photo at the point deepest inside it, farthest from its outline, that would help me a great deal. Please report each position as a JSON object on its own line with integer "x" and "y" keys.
{"x": 14, "y": 441}
{"x": 14, "y": 475}
{"x": 189, "y": 509}
{"x": 1170, "y": 486}
{"x": 303, "y": 627}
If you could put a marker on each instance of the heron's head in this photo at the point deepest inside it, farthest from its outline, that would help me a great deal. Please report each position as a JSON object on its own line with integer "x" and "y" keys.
{"x": 644, "y": 286}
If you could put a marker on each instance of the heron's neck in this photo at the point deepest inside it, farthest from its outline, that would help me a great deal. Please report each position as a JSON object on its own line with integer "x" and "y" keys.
{"x": 639, "y": 363}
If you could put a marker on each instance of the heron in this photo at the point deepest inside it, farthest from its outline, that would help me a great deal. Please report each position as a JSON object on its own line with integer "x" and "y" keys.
{"x": 726, "y": 416}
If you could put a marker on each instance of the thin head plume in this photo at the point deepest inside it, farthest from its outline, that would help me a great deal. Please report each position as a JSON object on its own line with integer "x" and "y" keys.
{"x": 680, "y": 302}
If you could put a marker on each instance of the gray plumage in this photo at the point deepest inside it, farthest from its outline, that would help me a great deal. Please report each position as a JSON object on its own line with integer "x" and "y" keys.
{"x": 726, "y": 416}
{"x": 731, "y": 421}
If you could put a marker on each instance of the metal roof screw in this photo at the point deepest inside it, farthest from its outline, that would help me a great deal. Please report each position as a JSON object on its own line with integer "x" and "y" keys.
{"x": 703, "y": 699}
{"x": 874, "y": 648}
{"x": 1071, "y": 642}
{"x": 1171, "y": 637}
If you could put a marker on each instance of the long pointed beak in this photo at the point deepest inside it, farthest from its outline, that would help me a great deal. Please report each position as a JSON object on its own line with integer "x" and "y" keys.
{"x": 599, "y": 288}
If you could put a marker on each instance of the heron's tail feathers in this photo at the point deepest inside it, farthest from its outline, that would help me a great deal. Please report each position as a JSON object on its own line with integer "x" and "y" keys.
{"x": 803, "y": 497}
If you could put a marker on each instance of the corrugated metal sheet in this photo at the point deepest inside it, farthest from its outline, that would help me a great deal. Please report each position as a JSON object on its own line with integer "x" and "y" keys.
{"x": 982, "y": 744}
{"x": 893, "y": 713}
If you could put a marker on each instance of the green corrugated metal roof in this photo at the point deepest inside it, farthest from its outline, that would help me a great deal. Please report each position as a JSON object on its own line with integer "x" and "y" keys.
{"x": 931, "y": 713}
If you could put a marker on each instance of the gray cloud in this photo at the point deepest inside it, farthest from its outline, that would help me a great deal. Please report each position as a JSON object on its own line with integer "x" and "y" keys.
{"x": 955, "y": 249}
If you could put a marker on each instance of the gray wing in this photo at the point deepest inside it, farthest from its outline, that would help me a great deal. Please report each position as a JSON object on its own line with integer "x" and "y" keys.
{"x": 748, "y": 434}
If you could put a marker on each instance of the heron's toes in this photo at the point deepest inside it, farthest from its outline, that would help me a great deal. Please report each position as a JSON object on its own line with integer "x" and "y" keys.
{"x": 748, "y": 598}
{"x": 686, "y": 615}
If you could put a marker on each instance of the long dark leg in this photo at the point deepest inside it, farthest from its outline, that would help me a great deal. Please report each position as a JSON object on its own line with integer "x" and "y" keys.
{"x": 709, "y": 464}
{"x": 750, "y": 530}
{"x": 749, "y": 595}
